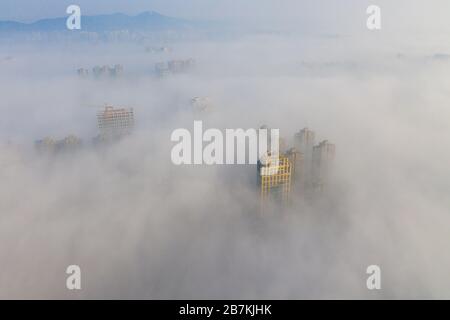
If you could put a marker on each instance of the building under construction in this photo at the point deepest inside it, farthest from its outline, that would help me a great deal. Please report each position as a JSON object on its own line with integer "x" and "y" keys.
{"x": 274, "y": 179}
{"x": 115, "y": 123}
{"x": 298, "y": 172}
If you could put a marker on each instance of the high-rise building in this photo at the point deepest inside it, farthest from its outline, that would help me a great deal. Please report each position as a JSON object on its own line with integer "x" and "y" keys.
{"x": 297, "y": 161}
{"x": 302, "y": 170}
{"x": 177, "y": 66}
{"x": 274, "y": 179}
{"x": 115, "y": 122}
{"x": 174, "y": 67}
{"x": 323, "y": 156}
{"x": 304, "y": 143}
{"x": 271, "y": 140}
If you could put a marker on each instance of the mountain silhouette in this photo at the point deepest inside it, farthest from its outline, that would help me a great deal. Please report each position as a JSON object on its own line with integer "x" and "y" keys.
{"x": 146, "y": 21}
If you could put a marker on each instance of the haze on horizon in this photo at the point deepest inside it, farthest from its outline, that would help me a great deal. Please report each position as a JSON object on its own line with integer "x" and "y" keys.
{"x": 306, "y": 15}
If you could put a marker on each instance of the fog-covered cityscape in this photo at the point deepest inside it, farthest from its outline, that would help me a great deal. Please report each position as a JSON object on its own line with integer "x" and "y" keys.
{"x": 356, "y": 177}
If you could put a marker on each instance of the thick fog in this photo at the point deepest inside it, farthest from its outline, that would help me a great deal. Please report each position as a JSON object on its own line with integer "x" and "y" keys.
{"x": 141, "y": 227}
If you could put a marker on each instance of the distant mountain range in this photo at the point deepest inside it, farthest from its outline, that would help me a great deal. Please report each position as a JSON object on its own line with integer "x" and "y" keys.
{"x": 146, "y": 21}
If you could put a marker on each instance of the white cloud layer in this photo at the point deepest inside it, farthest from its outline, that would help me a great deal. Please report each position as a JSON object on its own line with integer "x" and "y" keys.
{"x": 140, "y": 227}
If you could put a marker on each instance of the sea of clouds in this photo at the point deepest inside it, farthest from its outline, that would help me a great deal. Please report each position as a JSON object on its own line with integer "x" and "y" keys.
{"x": 141, "y": 227}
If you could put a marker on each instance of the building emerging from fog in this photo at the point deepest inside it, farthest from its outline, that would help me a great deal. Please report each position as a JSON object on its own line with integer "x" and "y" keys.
{"x": 102, "y": 72}
{"x": 115, "y": 123}
{"x": 297, "y": 160}
{"x": 297, "y": 172}
{"x": 323, "y": 157}
{"x": 174, "y": 67}
{"x": 51, "y": 146}
{"x": 178, "y": 66}
{"x": 106, "y": 71}
{"x": 274, "y": 179}
{"x": 304, "y": 141}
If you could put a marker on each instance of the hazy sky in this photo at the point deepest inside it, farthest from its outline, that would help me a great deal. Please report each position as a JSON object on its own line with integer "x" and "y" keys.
{"x": 215, "y": 9}
{"x": 406, "y": 14}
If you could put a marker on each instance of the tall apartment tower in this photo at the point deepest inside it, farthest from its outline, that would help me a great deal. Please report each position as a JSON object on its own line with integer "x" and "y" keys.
{"x": 115, "y": 122}
{"x": 274, "y": 179}
{"x": 323, "y": 157}
{"x": 304, "y": 143}
{"x": 297, "y": 161}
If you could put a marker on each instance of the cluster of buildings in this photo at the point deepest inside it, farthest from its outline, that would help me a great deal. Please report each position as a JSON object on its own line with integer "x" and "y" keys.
{"x": 113, "y": 124}
{"x": 102, "y": 71}
{"x": 173, "y": 67}
{"x": 51, "y": 146}
{"x": 302, "y": 170}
